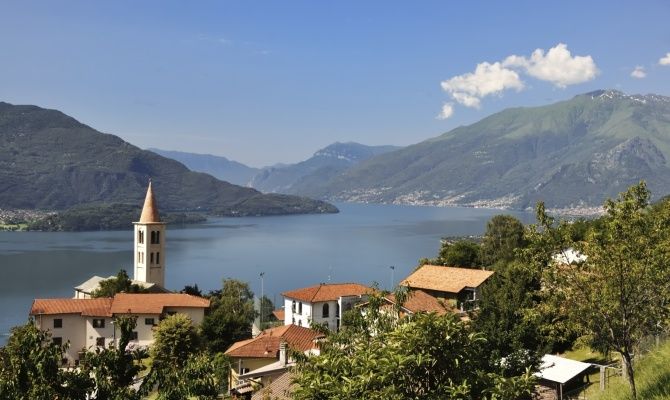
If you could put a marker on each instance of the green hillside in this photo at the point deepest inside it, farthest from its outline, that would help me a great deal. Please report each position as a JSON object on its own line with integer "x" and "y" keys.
{"x": 570, "y": 154}
{"x": 49, "y": 160}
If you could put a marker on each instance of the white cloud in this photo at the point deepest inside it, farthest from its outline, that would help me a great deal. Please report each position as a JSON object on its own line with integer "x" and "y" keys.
{"x": 638, "y": 72}
{"x": 487, "y": 79}
{"x": 557, "y": 66}
{"x": 447, "y": 111}
{"x": 665, "y": 60}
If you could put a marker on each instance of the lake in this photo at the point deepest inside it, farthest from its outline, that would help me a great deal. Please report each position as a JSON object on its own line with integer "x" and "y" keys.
{"x": 357, "y": 245}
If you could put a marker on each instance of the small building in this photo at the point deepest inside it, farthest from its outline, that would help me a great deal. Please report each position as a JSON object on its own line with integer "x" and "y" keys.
{"x": 559, "y": 376}
{"x": 461, "y": 286}
{"x": 255, "y": 361}
{"x": 85, "y": 290}
{"x": 420, "y": 301}
{"x": 88, "y": 323}
{"x": 322, "y": 304}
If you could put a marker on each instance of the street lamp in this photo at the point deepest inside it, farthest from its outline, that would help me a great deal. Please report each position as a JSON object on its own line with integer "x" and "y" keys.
{"x": 262, "y": 295}
{"x": 392, "y": 267}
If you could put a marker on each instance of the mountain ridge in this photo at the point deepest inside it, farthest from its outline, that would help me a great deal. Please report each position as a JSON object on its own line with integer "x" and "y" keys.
{"x": 49, "y": 160}
{"x": 570, "y": 154}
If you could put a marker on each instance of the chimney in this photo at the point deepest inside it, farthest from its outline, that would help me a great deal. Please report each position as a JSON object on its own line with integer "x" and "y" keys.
{"x": 283, "y": 359}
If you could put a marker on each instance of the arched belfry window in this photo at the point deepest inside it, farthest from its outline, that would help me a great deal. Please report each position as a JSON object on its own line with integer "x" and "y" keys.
{"x": 153, "y": 237}
{"x": 326, "y": 311}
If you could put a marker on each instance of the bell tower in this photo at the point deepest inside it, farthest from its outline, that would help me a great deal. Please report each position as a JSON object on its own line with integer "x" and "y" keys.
{"x": 149, "y": 265}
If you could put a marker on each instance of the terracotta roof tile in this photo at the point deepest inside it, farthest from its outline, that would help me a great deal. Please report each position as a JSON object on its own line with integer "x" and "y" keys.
{"x": 446, "y": 279}
{"x": 279, "y": 314}
{"x": 280, "y": 389}
{"x": 150, "y": 209}
{"x": 87, "y": 307}
{"x": 327, "y": 292}
{"x": 266, "y": 344}
{"x": 153, "y": 303}
{"x": 420, "y": 301}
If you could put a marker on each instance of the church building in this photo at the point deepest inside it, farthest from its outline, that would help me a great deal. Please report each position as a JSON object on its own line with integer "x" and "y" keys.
{"x": 149, "y": 254}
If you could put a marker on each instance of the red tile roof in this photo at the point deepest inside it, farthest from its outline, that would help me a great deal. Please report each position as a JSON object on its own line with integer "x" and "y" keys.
{"x": 266, "y": 345}
{"x": 153, "y": 303}
{"x": 279, "y": 314}
{"x": 87, "y": 307}
{"x": 420, "y": 301}
{"x": 122, "y": 303}
{"x": 446, "y": 279}
{"x": 327, "y": 292}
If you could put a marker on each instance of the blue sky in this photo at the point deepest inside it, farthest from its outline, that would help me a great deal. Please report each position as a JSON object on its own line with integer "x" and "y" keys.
{"x": 267, "y": 82}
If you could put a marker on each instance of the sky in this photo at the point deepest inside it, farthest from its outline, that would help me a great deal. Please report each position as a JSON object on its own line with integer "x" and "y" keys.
{"x": 269, "y": 82}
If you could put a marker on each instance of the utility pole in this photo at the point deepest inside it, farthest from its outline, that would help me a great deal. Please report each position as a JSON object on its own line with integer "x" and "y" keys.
{"x": 262, "y": 295}
{"x": 392, "y": 276}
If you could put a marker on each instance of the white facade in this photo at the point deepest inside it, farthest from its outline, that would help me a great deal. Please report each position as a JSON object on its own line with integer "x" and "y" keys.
{"x": 149, "y": 254}
{"x": 322, "y": 312}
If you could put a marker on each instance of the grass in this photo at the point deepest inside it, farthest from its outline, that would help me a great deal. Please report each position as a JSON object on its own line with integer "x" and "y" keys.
{"x": 652, "y": 378}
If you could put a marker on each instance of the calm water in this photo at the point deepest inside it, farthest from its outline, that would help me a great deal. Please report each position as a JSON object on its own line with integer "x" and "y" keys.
{"x": 357, "y": 245}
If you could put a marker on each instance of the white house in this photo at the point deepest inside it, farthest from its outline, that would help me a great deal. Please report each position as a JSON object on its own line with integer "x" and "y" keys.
{"x": 322, "y": 303}
{"x": 88, "y": 323}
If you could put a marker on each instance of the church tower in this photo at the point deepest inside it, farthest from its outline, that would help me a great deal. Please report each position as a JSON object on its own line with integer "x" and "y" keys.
{"x": 150, "y": 244}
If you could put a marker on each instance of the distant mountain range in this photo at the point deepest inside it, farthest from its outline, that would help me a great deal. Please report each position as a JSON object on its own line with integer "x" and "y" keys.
{"x": 321, "y": 167}
{"x": 49, "y": 160}
{"x": 571, "y": 154}
{"x": 217, "y": 166}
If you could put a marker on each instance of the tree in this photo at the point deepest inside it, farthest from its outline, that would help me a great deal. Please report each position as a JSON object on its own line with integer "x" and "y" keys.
{"x": 114, "y": 368}
{"x": 179, "y": 370}
{"x": 175, "y": 338}
{"x": 462, "y": 253}
{"x": 192, "y": 290}
{"x": 119, "y": 284}
{"x": 230, "y": 317}
{"x": 504, "y": 234}
{"x": 30, "y": 368}
{"x": 381, "y": 356}
{"x": 620, "y": 293}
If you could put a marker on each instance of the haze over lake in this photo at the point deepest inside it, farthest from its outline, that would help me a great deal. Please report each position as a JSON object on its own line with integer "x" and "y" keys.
{"x": 357, "y": 245}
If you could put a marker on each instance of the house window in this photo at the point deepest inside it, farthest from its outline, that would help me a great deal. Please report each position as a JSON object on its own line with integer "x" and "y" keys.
{"x": 58, "y": 323}
{"x": 326, "y": 311}
{"x": 293, "y": 306}
{"x": 299, "y": 322}
{"x": 99, "y": 323}
{"x": 300, "y": 308}
{"x": 58, "y": 341}
{"x": 100, "y": 342}
{"x": 133, "y": 335}
{"x": 148, "y": 321}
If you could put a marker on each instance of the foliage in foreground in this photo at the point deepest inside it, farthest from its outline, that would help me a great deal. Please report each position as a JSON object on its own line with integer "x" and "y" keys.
{"x": 381, "y": 356}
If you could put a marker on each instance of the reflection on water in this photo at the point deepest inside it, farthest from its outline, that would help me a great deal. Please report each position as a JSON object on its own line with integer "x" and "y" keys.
{"x": 357, "y": 245}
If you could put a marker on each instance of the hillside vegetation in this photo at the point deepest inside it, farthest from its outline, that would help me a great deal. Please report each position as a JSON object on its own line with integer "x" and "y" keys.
{"x": 49, "y": 160}
{"x": 573, "y": 153}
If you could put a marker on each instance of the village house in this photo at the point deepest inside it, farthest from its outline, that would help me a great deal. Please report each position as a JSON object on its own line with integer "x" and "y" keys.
{"x": 257, "y": 361}
{"x": 88, "y": 323}
{"x": 322, "y": 304}
{"x": 459, "y": 286}
{"x": 419, "y": 301}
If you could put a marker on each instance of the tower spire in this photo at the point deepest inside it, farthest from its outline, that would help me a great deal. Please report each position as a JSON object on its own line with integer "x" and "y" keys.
{"x": 150, "y": 209}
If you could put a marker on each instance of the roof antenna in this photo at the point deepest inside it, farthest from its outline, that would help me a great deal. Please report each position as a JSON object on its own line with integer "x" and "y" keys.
{"x": 330, "y": 272}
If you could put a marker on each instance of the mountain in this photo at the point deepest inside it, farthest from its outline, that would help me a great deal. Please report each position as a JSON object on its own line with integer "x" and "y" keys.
{"x": 571, "y": 154}
{"x": 49, "y": 160}
{"x": 321, "y": 167}
{"x": 217, "y": 166}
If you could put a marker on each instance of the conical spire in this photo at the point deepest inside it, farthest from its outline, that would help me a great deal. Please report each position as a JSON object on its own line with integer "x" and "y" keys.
{"x": 150, "y": 209}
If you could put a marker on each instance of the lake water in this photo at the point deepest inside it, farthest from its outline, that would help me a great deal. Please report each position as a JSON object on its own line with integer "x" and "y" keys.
{"x": 357, "y": 245}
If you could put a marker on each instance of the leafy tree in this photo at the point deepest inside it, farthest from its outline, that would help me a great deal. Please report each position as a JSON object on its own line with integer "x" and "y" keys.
{"x": 114, "y": 368}
{"x": 230, "y": 317}
{"x": 504, "y": 234}
{"x": 119, "y": 284}
{"x": 178, "y": 370}
{"x": 30, "y": 368}
{"x": 192, "y": 290}
{"x": 620, "y": 293}
{"x": 175, "y": 338}
{"x": 381, "y": 356}
{"x": 462, "y": 253}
